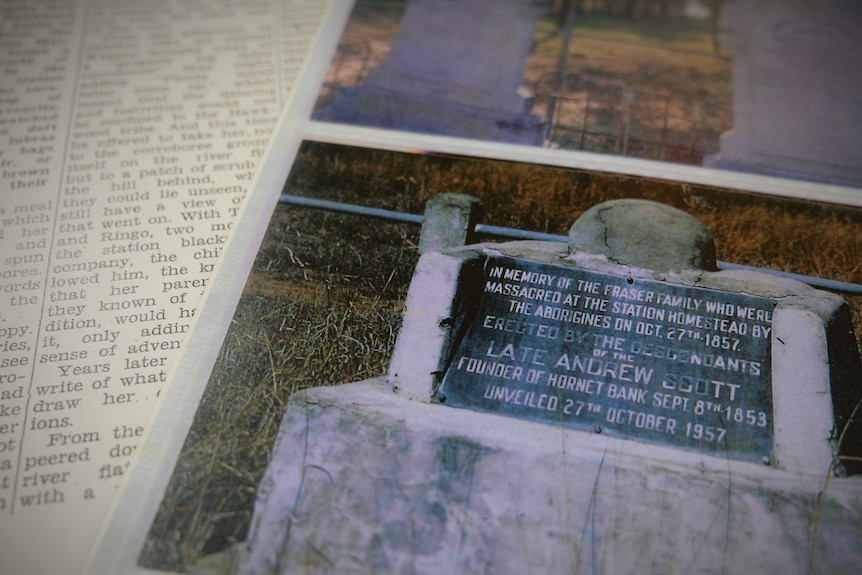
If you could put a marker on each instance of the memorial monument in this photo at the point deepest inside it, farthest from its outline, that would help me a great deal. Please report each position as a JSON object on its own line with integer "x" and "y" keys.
{"x": 455, "y": 69}
{"x": 615, "y": 404}
{"x": 797, "y": 89}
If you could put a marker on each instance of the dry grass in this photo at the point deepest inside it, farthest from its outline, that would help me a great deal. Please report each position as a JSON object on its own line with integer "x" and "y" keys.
{"x": 324, "y": 301}
{"x": 787, "y": 235}
{"x": 680, "y": 91}
{"x": 322, "y": 307}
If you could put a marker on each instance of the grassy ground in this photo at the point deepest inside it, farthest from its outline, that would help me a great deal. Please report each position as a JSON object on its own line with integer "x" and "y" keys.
{"x": 322, "y": 307}
{"x": 680, "y": 90}
{"x": 323, "y": 303}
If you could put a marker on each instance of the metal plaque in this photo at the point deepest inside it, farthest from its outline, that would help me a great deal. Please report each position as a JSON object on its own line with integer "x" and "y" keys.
{"x": 658, "y": 362}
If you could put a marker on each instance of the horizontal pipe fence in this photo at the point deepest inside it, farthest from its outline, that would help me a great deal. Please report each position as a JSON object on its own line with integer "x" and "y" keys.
{"x": 514, "y": 233}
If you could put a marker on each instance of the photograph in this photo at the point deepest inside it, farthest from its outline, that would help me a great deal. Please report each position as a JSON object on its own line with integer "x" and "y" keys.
{"x": 755, "y": 87}
{"x": 325, "y": 301}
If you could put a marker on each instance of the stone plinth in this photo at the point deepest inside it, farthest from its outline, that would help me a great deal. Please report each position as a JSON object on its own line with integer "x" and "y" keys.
{"x": 455, "y": 68}
{"x": 797, "y": 89}
{"x": 366, "y": 482}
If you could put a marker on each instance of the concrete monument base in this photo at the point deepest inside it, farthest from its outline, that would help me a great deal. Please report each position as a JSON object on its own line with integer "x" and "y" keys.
{"x": 718, "y": 434}
{"x": 455, "y": 69}
{"x": 363, "y": 481}
{"x": 797, "y": 110}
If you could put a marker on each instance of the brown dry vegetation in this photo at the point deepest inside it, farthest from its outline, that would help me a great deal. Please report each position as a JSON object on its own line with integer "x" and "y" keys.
{"x": 323, "y": 303}
{"x": 322, "y": 307}
{"x": 680, "y": 90}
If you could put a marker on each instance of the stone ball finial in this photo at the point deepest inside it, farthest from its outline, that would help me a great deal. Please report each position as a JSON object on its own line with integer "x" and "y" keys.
{"x": 644, "y": 234}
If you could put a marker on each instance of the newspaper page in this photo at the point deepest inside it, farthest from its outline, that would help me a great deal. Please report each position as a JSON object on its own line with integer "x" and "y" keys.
{"x": 539, "y": 114}
{"x": 129, "y": 135}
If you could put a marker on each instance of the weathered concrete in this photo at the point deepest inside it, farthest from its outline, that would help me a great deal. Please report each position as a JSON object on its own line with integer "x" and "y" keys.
{"x": 455, "y": 68}
{"x": 797, "y": 89}
{"x": 436, "y": 312}
{"x": 449, "y": 222}
{"x": 644, "y": 234}
{"x": 364, "y": 481}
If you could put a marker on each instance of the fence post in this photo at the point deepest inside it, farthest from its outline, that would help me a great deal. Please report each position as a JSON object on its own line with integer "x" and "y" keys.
{"x": 449, "y": 222}
{"x": 628, "y": 101}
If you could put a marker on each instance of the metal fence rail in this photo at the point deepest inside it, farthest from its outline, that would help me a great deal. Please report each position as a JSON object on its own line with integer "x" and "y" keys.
{"x": 514, "y": 233}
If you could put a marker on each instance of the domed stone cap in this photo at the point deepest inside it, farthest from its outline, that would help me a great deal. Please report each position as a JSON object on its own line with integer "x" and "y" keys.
{"x": 644, "y": 234}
